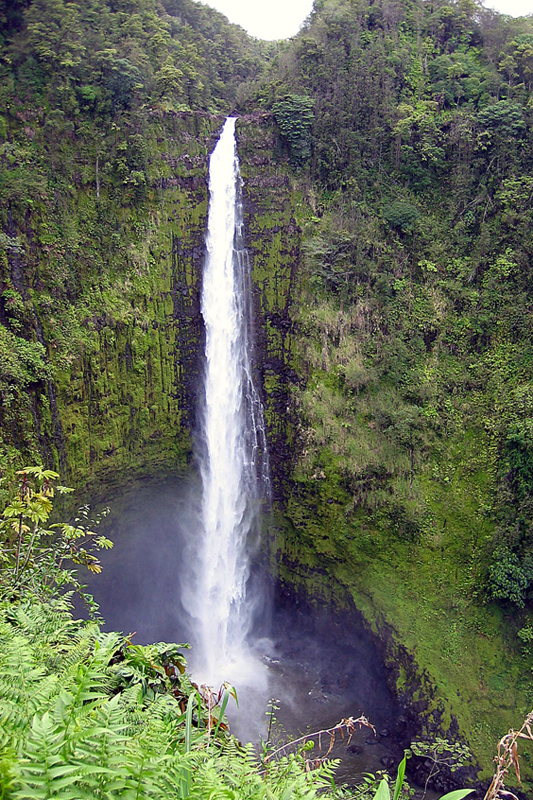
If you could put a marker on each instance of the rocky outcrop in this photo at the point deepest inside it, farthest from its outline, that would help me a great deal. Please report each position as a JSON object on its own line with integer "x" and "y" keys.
{"x": 273, "y": 239}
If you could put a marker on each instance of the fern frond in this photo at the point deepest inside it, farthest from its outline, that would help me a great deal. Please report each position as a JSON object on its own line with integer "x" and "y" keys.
{"x": 43, "y": 772}
{"x": 21, "y": 677}
{"x": 62, "y": 657}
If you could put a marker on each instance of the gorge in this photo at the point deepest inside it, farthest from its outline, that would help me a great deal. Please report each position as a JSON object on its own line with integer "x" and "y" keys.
{"x": 271, "y": 652}
{"x": 386, "y": 160}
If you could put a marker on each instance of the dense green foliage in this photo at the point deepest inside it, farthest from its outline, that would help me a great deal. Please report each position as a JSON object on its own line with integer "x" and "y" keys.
{"x": 404, "y": 142}
{"x": 417, "y": 312}
{"x": 413, "y": 328}
{"x": 87, "y": 714}
{"x": 107, "y": 111}
{"x": 86, "y": 60}
{"x": 294, "y": 115}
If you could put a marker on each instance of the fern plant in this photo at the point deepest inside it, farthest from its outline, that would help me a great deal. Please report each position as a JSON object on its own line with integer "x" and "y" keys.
{"x": 33, "y": 557}
{"x": 86, "y": 714}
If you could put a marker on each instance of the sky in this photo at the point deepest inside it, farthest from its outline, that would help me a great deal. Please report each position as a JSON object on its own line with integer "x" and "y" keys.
{"x": 515, "y": 8}
{"x": 280, "y": 19}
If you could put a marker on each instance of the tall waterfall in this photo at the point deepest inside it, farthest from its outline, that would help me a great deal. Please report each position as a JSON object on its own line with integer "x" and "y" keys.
{"x": 233, "y": 461}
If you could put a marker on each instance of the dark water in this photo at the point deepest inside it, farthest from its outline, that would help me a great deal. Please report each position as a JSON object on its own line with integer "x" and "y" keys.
{"x": 320, "y": 667}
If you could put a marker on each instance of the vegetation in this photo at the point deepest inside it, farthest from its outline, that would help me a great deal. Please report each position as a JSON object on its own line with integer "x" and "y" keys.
{"x": 35, "y": 561}
{"x": 85, "y": 713}
{"x": 414, "y": 309}
{"x": 397, "y": 134}
{"x": 412, "y": 330}
{"x": 107, "y": 113}
{"x": 88, "y": 714}
{"x": 294, "y": 115}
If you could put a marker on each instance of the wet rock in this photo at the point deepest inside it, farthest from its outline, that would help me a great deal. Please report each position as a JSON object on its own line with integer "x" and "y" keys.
{"x": 355, "y": 749}
{"x": 321, "y": 699}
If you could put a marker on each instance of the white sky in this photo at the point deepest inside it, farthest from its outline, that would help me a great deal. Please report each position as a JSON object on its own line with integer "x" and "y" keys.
{"x": 265, "y": 19}
{"x": 515, "y": 8}
{"x": 279, "y": 19}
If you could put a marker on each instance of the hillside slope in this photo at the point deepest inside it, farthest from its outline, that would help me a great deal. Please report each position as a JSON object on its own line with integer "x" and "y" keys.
{"x": 409, "y": 127}
{"x": 387, "y": 157}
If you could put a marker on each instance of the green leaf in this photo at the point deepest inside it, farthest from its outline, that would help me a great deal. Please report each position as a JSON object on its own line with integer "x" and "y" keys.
{"x": 104, "y": 543}
{"x": 188, "y": 723}
{"x": 14, "y": 509}
{"x": 233, "y": 692}
{"x": 399, "y": 778}
{"x": 222, "y": 711}
{"x": 383, "y": 792}
{"x": 458, "y": 794}
{"x": 39, "y": 472}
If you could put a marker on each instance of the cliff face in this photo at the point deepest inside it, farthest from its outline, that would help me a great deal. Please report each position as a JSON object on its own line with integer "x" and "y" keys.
{"x": 273, "y": 238}
{"x": 129, "y": 404}
{"x": 121, "y": 329}
{"x": 107, "y": 115}
{"x": 122, "y": 345}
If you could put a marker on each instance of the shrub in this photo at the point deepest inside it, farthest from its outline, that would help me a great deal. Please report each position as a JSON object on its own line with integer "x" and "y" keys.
{"x": 509, "y": 577}
{"x": 294, "y": 115}
{"x": 400, "y": 215}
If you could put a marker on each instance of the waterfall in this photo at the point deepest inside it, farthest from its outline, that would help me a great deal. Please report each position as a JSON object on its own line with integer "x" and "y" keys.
{"x": 233, "y": 460}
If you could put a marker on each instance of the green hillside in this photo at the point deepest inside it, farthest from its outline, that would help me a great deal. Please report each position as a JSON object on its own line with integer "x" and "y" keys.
{"x": 409, "y": 129}
{"x": 387, "y": 153}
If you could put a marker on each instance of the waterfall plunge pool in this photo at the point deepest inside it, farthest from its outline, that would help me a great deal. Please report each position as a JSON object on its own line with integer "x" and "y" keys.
{"x": 318, "y": 666}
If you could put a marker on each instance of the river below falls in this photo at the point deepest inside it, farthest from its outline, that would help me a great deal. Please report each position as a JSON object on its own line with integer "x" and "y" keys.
{"x": 319, "y": 667}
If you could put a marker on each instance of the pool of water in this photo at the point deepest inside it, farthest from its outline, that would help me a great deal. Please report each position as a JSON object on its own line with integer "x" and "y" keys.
{"x": 314, "y": 667}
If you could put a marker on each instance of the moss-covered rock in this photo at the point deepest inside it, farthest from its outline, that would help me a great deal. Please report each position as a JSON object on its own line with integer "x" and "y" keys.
{"x": 110, "y": 288}
{"x": 273, "y": 238}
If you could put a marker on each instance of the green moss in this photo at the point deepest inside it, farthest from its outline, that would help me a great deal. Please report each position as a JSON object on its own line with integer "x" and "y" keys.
{"x": 425, "y": 593}
{"x": 122, "y": 346}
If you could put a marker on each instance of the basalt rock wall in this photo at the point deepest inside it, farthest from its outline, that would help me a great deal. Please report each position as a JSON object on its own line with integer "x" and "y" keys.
{"x": 273, "y": 240}
{"x": 107, "y": 280}
{"x": 104, "y": 281}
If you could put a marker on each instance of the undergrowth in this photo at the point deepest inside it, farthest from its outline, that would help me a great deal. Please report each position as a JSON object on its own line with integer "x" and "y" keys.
{"x": 85, "y": 713}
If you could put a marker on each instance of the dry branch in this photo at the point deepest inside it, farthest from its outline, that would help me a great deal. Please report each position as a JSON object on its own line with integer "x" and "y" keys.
{"x": 508, "y": 758}
{"x": 345, "y": 726}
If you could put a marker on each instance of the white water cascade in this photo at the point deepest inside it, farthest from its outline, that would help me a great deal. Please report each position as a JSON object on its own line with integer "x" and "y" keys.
{"x": 233, "y": 461}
